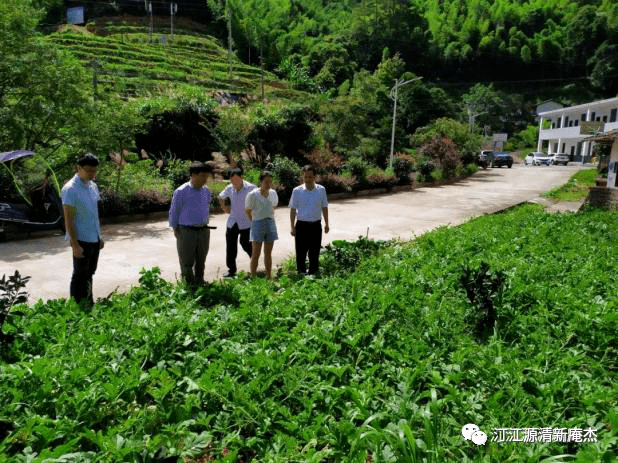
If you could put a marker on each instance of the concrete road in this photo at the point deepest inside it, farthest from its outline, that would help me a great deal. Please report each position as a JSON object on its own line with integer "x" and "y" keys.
{"x": 130, "y": 247}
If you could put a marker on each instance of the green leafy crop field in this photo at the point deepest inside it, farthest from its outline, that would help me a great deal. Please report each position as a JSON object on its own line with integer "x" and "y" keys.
{"x": 131, "y": 64}
{"x": 384, "y": 363}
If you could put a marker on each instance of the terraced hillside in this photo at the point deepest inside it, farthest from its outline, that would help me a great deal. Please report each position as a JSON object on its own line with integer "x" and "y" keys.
{"x": 131, "y": 63}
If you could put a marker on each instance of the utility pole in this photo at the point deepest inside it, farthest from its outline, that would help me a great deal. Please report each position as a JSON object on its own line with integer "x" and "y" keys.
{"x": 393, "y": 96}
{"x": 148, "y": 6}
{"x": 261, "y": 71}
{"x": 173, "y": 11}
{"x": 472, "y": 117}
{"x": 229, "y": 39}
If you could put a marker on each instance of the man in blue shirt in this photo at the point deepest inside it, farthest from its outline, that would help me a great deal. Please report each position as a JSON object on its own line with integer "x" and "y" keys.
{"x": 308, "y": 204}
{"x": 238, "y": 223}
{"x": 188, "y": 217}
{"x": 80, "y": 198}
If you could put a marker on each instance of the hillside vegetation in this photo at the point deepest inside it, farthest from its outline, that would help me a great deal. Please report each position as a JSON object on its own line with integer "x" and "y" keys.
{"x": 130, "y": 63}
{"x": 483, "y": 323}
{"x": 553, "y": 43}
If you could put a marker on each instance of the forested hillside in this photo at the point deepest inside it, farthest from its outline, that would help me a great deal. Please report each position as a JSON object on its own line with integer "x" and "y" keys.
{"x": 556, "y": 42}
{"x": 547, "y": 44}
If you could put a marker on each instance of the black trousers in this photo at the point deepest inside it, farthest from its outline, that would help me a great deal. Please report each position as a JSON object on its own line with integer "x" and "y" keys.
{"x": 308, "y": 240}
{"x": 83, "y": 270}
{"x": 231, "y": 245}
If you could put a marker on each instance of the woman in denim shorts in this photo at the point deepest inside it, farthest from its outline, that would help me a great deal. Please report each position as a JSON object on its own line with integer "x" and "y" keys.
{"x": 260, "y": 205}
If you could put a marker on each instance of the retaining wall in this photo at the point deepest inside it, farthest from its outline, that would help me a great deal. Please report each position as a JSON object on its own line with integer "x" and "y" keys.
{"x": 606, "y": 198}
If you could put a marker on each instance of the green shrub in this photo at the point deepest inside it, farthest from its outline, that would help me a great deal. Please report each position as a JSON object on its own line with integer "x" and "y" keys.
{"x": 288, "y": 131}
{"x": 324, "y": 160}
{"x": 471, "y": 168}
{"x": 215, "y": 188}
{"x": 358, "y": 168}
{"x": 444, "y": 152}
{"x": 113, "y": 204}
{"x": 148, "y": 200}
{"x": 11, "y": 293}
{"x": 437, "y": 174}
{"x": 483, "y": 287}
{"x": 342, "y": 256}
{"x": 177, "y": 173}
{"x": 403, "y": 165}
{"x": 426, "y": 167}
{"x": 252, "y": 175}
{"x": 337, "y": 183}
{"x": 134, "y": 176}
{"x": 380, "y": 180}
{"x": 286, "y": 172}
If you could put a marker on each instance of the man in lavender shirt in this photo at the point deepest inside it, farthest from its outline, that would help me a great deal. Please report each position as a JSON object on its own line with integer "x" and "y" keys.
{"x": 238, "y": 223}
{"x": 188, "y": 217}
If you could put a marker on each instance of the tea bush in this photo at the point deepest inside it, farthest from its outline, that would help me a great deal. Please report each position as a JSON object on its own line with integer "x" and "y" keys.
{"x": 376, "y": 364}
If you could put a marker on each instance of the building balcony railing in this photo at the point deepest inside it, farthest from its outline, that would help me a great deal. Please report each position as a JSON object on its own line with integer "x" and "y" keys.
{"x": 576, "y": 132}
{"x": 565, "y": 132}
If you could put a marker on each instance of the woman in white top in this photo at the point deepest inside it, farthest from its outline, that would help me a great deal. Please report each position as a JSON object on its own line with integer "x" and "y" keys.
{"x": 260, "y": 204}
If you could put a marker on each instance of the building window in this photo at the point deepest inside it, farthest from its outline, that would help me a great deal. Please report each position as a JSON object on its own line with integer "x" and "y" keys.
{"x": 576, "y": 122}
{"x": 563, "y": 147}
{"x": 566, "y": 121}
{"x": 583, "y": 117}
{"x": 604, "y": 118}
{"x": 612, "y": 115}
{"x": 592, "y": 114}
{"x": 598, "y": 119}
{"x": 571, "y": 123}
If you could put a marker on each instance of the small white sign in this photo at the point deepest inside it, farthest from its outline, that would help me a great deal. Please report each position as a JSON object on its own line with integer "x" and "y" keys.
{"x": 499, "y": 137}
{"x": 75, "y": 15}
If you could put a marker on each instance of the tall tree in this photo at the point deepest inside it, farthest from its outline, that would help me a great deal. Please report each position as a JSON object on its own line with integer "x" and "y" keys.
{"x": 45, "y": 95}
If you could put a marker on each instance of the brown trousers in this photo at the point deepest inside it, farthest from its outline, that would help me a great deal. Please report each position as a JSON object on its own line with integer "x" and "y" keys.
{"x": 192, "y": 246}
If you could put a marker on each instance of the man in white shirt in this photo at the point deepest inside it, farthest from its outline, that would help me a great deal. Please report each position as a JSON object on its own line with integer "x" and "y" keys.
{"x": 238, "y": 223}
{"x": 307, "y": 206}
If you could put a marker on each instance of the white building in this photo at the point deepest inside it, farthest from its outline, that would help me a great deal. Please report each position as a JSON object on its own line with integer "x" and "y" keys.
{"x": 571, "y": 126}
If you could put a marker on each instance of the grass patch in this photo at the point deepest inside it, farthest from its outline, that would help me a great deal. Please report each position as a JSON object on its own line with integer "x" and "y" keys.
{"x": 385, "y": 363}
{"x": 577, "y": 188}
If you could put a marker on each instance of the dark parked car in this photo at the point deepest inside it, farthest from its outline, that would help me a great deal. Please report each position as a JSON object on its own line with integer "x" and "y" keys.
{"x": 502, "y": 159}
{"x": 494, "y": 159}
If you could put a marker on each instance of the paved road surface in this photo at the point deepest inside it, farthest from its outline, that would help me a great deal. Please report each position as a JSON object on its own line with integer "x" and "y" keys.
{"x": 129, "y": 247}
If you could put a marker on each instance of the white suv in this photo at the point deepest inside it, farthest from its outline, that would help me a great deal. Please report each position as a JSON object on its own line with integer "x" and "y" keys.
{"x": 559, "y": 158}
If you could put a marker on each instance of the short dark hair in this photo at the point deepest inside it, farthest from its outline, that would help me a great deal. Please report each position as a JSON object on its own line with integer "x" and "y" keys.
{"x": 197, "y": 167}
{"x": 88, "y": 159}
{"x": 264, "y": 174}
{"x": 234, "y": 171}
{"x": 308, "y": 168}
